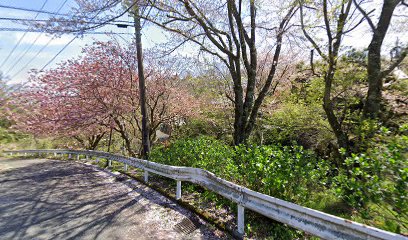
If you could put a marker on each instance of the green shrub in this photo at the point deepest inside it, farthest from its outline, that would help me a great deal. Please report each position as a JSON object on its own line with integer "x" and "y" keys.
{"x": 202, "y": 152}
{"x": 380, "y": 177}
{"x": 285, "y": 172}
{"x": 297, "y": 122}
{"x": 289, "y": 173}
{"x": 197, "y": 127}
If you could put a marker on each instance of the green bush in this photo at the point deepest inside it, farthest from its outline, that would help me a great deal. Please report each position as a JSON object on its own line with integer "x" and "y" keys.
{"x": 202, "y": 152}
{"x": 289, "y": 172}
{"x": 297, "y": 122}
{"x": 285, "y": 172}
{"x": 379, "y": 177}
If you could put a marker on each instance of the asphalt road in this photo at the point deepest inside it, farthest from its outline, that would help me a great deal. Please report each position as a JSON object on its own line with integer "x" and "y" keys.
{"x": 51, "y": 199}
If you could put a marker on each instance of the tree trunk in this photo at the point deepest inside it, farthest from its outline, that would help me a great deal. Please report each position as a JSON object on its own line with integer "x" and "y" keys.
{"x": 239, "y": 136}
{"x": 142, "y": 86}
{"x": 110, "y": 140}
{"x": 374, "y": 72}
{"x": 341, "y": 136}
{"x": 123, "y": 133}
{"x": 94, "y": 140}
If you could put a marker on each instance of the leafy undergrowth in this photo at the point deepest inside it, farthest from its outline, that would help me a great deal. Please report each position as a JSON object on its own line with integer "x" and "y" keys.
{"x": 370, "y": 189}
{"x": 284, "y": 172}
{"x": 294, "y": 175}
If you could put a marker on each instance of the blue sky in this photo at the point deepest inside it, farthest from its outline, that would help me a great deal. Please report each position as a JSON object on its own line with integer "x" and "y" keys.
{"x": 27, "y": 49}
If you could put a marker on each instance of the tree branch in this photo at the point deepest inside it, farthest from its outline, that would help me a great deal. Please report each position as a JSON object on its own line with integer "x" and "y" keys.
{"x": 365, "y": 14}
{"x": 313, "y": 42}
{"x": 395, "y": 64}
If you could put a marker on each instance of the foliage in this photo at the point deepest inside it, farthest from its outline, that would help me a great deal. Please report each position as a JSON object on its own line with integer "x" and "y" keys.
{"x": 290, "y": 173}
{"x": 230, "y": 42}
{"x": 284, "y": 172}
{"x": 9, "y": 136}
{"x": 213, "y": 121}
{"x": 299, "y": 123}
{"x": 248, "y": 54}
{"x": 379, "y": 176}
{"x": 347, "y": 94}
{"x": 202, "y": 152}
{"x": 198, "y": 127}
{"x": 402, "y": 86}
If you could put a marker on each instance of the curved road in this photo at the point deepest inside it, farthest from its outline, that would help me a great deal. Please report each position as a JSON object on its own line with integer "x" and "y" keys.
{"x": 51, "y": 199}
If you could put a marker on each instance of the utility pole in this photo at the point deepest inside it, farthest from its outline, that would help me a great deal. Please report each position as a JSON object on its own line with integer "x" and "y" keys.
{"x": 142, "y": 86}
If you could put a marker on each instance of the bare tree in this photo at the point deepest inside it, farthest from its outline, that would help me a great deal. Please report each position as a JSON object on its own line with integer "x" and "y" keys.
{"x": 228, "y": 30}
{"x": 335, "y": 18}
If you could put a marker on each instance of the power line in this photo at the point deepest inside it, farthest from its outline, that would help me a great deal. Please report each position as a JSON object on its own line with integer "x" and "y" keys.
{"x": 33, "y": 10}
{"x": 43, "y": 11}
{"x": 32, "y": 44}
{"x": 48, "y": 43}
{"x": 22, "y": 55}
{"x": 42, "y": 31}
{"x": 49, "y": 62}
{"x": 52, "y": 59}
{"x": 117, "y": 22}
{"x": 32, "y": 59}
{"x": 19, "y": 41}
{"x": 82, "y": 32}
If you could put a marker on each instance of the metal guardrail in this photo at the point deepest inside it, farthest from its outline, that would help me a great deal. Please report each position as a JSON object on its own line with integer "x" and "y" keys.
{"x": 314, "y": 222}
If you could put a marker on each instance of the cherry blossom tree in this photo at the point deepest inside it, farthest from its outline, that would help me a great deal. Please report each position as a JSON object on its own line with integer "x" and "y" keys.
{"x": 98, "y": 91}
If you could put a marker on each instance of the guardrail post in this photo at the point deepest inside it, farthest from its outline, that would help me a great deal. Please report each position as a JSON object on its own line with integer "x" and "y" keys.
{"x": 77, "y": 156}
{"x": 25, "y": 154}
{"x": 125, "y": 167}
{"x": 87, "y": 157}
{"x": 55, "y": 154}
{"x": 11, "y": 154}
{"x": 240, "y": 220}
{"x": 97, "y": 160}
{"x": 69, "y": 156}
{"x": 178, "y": 190}
{"x": 146, "y": 176}
{"x": 109, "y": 163}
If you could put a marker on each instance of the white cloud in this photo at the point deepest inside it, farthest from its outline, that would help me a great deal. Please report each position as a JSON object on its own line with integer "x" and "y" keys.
{"x": 40, "y": 39}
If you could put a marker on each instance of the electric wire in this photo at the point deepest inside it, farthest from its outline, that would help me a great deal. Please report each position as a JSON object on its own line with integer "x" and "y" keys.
{"x": 41, "y": 31}
{"x": 62, "y": 21}
{"x": 34, "y": 10}
{"x": 19, "y": 41}
{"x": 32, "y": 44}
{"x": 80, "y": 32}
{"x": 33, "y": 58}
{"x": 60, "y": 51}
{"x": 34, "y": 30}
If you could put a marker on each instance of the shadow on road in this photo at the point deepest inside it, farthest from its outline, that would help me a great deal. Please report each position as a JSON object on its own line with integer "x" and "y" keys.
{"x": 66, "y": 200}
